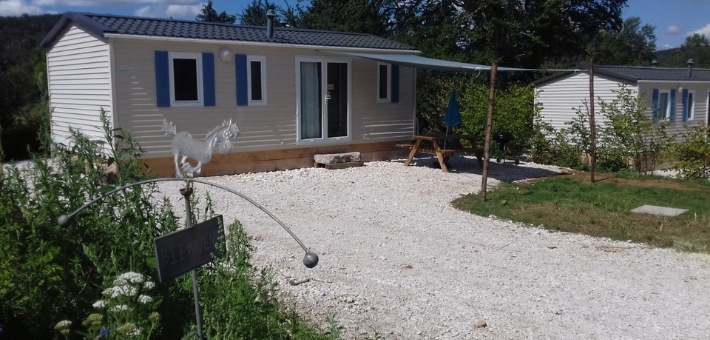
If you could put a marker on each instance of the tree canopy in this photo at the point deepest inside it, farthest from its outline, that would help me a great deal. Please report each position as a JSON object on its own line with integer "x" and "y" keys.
{"x": 209, "y": 14}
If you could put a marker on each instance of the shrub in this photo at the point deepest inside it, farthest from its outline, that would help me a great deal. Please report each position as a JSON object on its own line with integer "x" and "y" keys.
{"x": 694, "y": 153}
{"x": 49, "y": 273}
{"x": 631, "y": 137}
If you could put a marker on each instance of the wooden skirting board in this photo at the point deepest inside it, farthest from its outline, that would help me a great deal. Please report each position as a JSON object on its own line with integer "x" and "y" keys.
{"x": 275, "y": 160}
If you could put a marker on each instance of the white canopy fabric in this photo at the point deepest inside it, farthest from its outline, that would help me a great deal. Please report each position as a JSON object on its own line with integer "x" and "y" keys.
{"x": 410, "y": 60}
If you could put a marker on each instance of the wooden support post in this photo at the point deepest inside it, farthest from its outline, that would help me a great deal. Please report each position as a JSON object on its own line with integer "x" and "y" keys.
{"x": 489, "y": 122}
{"x": 592, "y": 127}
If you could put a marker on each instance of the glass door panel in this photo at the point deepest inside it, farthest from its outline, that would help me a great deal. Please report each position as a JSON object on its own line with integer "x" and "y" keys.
{"x": 337, "y": 99}
{"x": 311, "y": 100}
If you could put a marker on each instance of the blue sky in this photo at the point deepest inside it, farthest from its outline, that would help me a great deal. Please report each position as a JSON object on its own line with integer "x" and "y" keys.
{"x": 674, "y": 19}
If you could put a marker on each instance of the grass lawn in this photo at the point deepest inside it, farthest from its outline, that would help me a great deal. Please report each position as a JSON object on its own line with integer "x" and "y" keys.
{"x": 571, "y": 203}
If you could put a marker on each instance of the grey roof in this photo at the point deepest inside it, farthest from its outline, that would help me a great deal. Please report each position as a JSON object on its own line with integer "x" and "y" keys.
{"x": 100, "y": 24}
{"x": 633, "y": 74}
{"x": 636, "y": 73}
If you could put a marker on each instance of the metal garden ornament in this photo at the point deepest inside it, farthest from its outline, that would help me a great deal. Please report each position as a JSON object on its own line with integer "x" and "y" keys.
{"x": 218, "y": 140}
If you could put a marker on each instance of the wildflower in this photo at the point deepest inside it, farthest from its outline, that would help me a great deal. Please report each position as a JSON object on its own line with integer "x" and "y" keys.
{"x": 148, "y": 285}
{"x": 104, "y": 331}
{"x": 145, "y": 299}
{"x": 63, "y": 327}
{"x": 134, "y": 333}
{"x": 119, "y": 282}
{"x": 128, "y": 329}
{"x": 99, "y": 304}
{"x": 107, "y": 291}
{"x": 131, "y": 277}
{"x": 119, "y": 308}
{"x": 123, "y": 290}
{"x": 154, "y": 317}
{"x": 93, "y": 320}
{"x": 64, "y": 324}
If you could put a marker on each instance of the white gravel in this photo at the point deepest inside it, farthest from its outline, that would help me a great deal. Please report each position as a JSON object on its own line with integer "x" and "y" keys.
{"x": 396, "y": 256}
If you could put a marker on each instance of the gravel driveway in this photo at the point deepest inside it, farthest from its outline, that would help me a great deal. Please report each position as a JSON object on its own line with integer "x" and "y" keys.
{"x": 396, "y": 256}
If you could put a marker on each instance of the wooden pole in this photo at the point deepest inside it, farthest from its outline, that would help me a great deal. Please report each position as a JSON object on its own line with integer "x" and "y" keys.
{"x": 489, "y": 122}
{"x": 592, "y": 127}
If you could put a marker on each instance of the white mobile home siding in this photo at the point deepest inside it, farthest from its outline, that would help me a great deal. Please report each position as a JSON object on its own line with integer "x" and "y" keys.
{"x": 79, "y": 78}
{"x": 677, "y": 127}
{"x": 268, "y": 127}
{"x": 561, "y": 97}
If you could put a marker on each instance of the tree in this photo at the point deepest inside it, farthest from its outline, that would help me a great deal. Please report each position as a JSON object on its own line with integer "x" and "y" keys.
{"x": 255, "y": 13}
{"x": 209, "y": 14}
{"x": 633, "y": 45}
{"x": 359, "y": 16}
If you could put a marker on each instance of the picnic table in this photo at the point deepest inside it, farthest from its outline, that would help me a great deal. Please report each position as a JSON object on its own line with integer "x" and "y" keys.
{"x": 432, "y": 145}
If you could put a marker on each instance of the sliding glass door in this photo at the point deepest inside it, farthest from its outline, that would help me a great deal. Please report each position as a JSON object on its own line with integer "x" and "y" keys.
{"x": 323, "y": 93}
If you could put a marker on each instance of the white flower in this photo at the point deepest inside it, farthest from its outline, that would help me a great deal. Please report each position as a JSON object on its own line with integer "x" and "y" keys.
{"x": 132, "y": 277}
{"x": 145, "y": 299}
{"x": 134, "y": 333}
{"x": 99, "y": 304}
{"x": 63, "y": 324}
{"x": 120, "y": 282}
{"x": 119, "y": 308}
{"x": 108, "y": 291}
{"x": 123, "y": 290}
{"x": 148, "y": 285}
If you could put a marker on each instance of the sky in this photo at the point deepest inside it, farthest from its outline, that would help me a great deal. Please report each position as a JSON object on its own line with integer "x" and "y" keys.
{"x": 673, "y": 19}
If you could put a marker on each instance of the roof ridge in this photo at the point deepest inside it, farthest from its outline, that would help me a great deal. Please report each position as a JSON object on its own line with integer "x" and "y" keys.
{"x": 277, "y": 28}
{"x": 652, "y": 67}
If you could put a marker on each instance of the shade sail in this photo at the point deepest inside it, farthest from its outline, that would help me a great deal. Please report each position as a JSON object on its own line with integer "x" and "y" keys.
{"x": 410, "y": 60}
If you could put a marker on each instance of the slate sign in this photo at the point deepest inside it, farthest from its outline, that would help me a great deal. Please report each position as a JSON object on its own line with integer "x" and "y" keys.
{"x": 184, "y": 250}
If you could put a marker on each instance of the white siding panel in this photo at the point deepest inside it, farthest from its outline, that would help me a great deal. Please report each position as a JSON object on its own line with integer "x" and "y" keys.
{"x": 561, "y": 97}
{"x": 678, "y": 127}
{"x": 267, "y": 127}
{"x": 79, "y": 84}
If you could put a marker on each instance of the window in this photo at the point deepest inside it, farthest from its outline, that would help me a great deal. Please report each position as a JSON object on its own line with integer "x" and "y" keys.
{"x": 664, "y": 104}
{"x": 185, "y": 79}
{"x": 384, "y": 79}
{"x": 256, "y": 75}
{"x": 691, "y": 104}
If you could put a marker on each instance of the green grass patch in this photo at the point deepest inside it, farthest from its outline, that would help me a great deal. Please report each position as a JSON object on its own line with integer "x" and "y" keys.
{"x": 570, "y": 203}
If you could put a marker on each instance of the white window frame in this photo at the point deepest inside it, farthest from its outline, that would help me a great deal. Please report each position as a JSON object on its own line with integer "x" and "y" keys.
{"x": 389, "y": 83}
{"x": 198, "y": 64}
{"x": 324, "y": 115}
{"x": 262, "y": 60}
{"x": 691, "y": 105}
{"x": 667, "y": 112}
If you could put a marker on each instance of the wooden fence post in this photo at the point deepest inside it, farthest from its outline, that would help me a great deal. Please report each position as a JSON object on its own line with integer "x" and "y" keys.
{"x": 592, "y": 127}
{"x": 489, "y": 122}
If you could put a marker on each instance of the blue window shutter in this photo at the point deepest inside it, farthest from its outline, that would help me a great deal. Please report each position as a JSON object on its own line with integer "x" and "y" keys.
{"x": 654, "y": 105}
{"x": 240, "y": 61}
{"x": 672, "y": 106}
{"x": 208, "y": 79}
{"x": 685, "y": 105}
{"x": 395, "y": 84}
{"x": 162, "y": 78}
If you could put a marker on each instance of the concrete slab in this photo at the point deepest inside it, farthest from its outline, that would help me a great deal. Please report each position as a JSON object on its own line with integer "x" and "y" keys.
{"x": 660, "y": 211}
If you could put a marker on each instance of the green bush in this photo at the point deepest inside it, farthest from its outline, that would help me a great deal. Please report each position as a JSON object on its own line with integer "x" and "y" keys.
{"x": 49, "y": 273}
{"x": 631, "y": 137}
{"x": 694, "y": 153}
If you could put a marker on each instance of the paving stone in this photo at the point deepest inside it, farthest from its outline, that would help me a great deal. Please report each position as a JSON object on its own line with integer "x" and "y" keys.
{"x": 660, "y": 211}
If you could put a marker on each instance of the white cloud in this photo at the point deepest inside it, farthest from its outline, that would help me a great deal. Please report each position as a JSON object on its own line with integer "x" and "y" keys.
{"x": 182, "y": 11}
{"x": 703, "y": 31}
{"x": 673, "y": 30}
{"x": 144, "y": 11}
{"x": 18, "y": 7}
